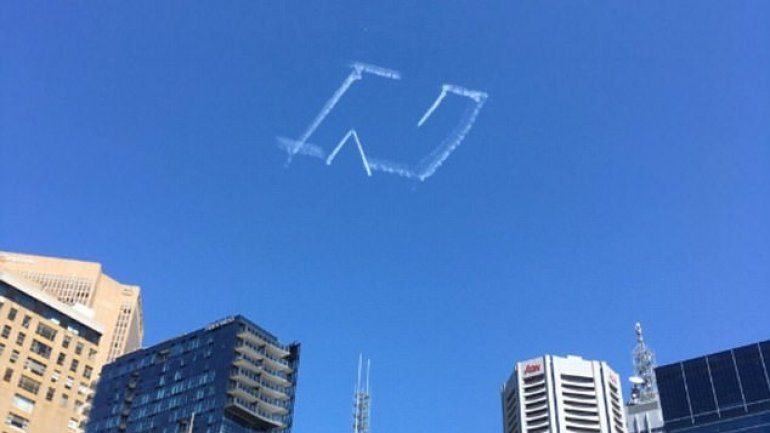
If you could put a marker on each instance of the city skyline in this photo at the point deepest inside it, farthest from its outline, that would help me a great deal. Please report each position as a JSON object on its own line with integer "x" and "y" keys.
{"x": 618, "y": 172}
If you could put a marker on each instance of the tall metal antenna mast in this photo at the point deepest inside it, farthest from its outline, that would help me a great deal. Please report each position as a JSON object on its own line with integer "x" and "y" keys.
{"x": 644, "y": 386}
{"x": 361, "y": 399}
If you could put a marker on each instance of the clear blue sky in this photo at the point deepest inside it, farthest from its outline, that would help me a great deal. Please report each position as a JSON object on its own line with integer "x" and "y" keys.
{"x": 619, "y": 171}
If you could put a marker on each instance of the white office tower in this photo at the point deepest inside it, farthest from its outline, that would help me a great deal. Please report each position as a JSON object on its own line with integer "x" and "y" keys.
{"x": 552, "y": 394}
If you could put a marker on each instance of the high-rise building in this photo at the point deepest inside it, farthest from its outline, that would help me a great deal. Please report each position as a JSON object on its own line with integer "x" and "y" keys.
{"x": 559, "y": 395}
{"x": 722, "y": 392}
{"x": 643, "y": 412}
{"x": 48, "y": 355}
{"x": 230, "y": 377}
{"x": 117, "y": 307}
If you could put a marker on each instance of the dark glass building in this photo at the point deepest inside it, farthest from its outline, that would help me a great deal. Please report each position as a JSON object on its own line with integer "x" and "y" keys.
{"x": 723, "y": 392}
{"x": 230, "y": 377}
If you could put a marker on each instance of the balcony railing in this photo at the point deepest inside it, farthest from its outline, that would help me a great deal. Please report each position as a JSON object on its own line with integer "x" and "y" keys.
{"x": 248, "y": 362}
{"x": 253, "y": 410}
{"x": 261, "y": 352}
{"x": 257, "y": 380}
{"x": 252, "y": 395}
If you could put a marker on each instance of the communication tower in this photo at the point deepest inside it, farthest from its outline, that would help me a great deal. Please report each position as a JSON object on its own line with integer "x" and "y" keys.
{"x": 644, "y": 388}
{"x": 361, "y": 399}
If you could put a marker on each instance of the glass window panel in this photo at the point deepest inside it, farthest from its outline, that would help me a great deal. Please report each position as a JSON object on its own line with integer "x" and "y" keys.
{"x": 765, "y": 345}
{"x": 699, "y": 386}
{"x": 725, "y": 379}
{"x": 752, "y": 374}
{"x": 673, "y": 396}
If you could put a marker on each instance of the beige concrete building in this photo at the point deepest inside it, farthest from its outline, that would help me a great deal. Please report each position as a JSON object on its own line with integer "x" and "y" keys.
{"x": 117, "y": 307}
{"x": 48, "y": 359}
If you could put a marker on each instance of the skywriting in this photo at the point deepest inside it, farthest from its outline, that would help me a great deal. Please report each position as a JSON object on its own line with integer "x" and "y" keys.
{"x": 421, "y": 169}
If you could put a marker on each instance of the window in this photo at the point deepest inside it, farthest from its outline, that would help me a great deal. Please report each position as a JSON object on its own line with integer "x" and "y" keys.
{"x": 25, "y": 322}
{"x": 41, "y": 349}
{"x": 29, "y": 384}
{"x": 2, "y": 348}
{"x": 14, "y": 356}
{"x": 6, "y": 331}
{"x": 91, "y": 354}
{"x": 699, "y": 386}
{"x": 182, "y": 426}
{"x": 78, "y": 348}
{"x": 749, "y": 362}
{"x": 72, "y": 424}
{"x": 724, "y": 379}
{"x": 55, "y": 375}
{"x": 49, "y": 394}
{"x": 63, "y": 399}
{"x": 20, "y": 338}
{"x": 74, "y": 365}
{"x": 12, "y": 314}
{"x": 78, "y": 406}
{"x": 8, "y": 374}
{"x": 87, "y": 370}
{"x": 17, "y": 421}
{"x": 23, "y": 403}
{"x": 46, "y": 331}
{"x": 83, "y": 389}
{"x": 70, "y": 381}
{"x": 34, "y": 366}
{"x": 60, "y": 359}
{"x": 66, "y": 342}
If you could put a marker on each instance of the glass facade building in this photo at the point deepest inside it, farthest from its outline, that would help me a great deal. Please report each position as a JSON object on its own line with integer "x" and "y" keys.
{"x": 229, "y": 377}
{"x": 723, "y": 392}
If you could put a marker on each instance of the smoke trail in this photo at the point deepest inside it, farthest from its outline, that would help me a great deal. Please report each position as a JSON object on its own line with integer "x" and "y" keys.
{"x": 427, "y": 166}
{"x": 307, "y": 149}
{"x": 433, "y": 161}
{"x": 351, "y": 133}
{"x": 433, "y": 107}
{"x": 402, "y": 170}
{"x": 476, "y": 95}
{"x": 376, "y": 70}
{"x": 355, "y": 75}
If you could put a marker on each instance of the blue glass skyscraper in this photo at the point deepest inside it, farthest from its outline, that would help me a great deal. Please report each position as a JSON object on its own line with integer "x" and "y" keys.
{"x": 723, "y": 392}
{"x": 230, "y": 377}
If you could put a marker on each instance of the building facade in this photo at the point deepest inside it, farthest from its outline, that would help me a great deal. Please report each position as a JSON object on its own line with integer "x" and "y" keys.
{"x": 48, "y": 358}
{"x": 552, "y": 394}
{"x": 117, "y": 307}
{"x": 722, "y": 392}
{"x": 229, "y": 377}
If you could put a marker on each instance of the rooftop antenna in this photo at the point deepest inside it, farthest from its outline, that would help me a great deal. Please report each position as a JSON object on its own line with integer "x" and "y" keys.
{"x": 643, "y": 386}
{"x": 361, "y": 399}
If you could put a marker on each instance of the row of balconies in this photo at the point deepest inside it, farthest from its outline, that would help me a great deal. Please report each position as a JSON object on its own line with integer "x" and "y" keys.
{"x": 255, "y": 380}
{"x": 277, "y": 348}
{"x": 252, "y": 409}
{"x": 252, "y": 395}
{"x": 258, "y": 367}
{"x": 260, "y": 352}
